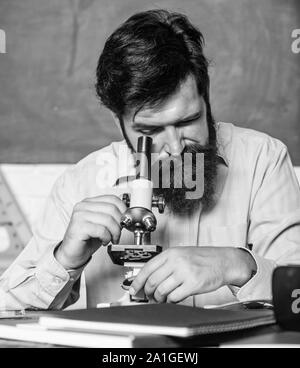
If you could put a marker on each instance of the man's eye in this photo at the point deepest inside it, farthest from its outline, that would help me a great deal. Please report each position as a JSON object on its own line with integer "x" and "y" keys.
{"x": 150, "y": 131}
{"x": 183, "y": 124}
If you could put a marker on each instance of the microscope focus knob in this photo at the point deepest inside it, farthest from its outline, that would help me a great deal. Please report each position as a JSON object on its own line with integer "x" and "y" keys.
{"x": 149, "y": 223}
{"x": 159, "y": 202}
{"x": 126, "y": 221}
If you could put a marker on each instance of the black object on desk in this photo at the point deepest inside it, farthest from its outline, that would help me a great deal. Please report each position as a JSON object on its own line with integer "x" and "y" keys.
{"x": 286, "y": 296}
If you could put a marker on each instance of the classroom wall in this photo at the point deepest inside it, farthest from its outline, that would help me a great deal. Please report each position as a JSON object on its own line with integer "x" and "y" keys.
{"x": 48, "y": 109}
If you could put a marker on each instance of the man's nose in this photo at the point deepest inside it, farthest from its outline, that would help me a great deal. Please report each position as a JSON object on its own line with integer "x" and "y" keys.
{"x": 174, "y": 145}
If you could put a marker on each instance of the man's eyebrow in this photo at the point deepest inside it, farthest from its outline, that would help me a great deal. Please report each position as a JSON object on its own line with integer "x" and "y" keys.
{"x": 185, "y": 120}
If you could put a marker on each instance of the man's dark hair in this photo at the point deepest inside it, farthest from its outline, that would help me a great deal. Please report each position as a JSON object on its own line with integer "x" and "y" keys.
{"x": 147, "y": 58}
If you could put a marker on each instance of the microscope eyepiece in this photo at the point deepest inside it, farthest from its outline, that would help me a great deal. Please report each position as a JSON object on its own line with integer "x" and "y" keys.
{"x": 144, "y": 145}
{"x": 144, "y": 157}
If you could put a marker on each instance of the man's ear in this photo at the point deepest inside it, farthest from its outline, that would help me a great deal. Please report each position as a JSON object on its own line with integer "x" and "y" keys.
{"x": 117, "y": 122}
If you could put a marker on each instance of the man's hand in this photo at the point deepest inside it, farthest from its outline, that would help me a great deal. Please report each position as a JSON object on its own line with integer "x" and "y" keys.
{"x": 92, "y": 219}
{"x": 180, "y": 272}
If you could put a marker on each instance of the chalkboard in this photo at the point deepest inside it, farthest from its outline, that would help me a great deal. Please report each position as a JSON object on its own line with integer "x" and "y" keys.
{"x": 49, "y": 112}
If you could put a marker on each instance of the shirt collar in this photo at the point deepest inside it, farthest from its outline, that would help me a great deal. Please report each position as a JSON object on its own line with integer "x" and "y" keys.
{"x": 221, "y": 153}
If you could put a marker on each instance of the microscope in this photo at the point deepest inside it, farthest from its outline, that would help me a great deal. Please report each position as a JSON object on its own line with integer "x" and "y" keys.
{"x": 138, "y": 219}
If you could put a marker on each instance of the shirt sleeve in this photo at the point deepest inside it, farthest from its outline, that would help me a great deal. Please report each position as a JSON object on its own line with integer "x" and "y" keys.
{"x": 274, "y": 219}
{"x": 36, "y": 280}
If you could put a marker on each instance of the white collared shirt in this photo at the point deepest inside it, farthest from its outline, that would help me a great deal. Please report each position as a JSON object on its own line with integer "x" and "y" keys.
{"x": 258, "y": 203}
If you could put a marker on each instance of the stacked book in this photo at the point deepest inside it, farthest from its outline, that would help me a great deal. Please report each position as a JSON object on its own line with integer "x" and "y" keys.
{"x": 146, "y": 325}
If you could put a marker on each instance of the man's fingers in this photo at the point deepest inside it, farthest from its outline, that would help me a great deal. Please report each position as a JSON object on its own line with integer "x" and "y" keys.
{"x": 145, "y": 272}
{"x": 179, "y": 294}
{"x": 106, "y": 221}
{"x": 156, "y": 278}
{"x": 99, "y": 231}
{"x": 103, "y": 207}
{"x": 167, "y": 287}
{"x": 111, "y": 199}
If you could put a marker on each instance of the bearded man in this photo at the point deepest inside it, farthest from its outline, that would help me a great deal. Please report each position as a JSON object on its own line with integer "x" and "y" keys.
{"x": 221, "y": 247}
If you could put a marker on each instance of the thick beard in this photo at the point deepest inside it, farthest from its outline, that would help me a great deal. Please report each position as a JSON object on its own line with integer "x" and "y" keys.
{"x": 175, "y": 197}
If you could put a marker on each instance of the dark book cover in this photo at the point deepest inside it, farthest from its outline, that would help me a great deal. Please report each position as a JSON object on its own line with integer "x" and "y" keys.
{"x": 162, "y": 319}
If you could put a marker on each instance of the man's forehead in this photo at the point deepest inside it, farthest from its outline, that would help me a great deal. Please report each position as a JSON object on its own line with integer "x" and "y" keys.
{"x": 170, "y": 114}
{"x": 183, "y": 104}
{"x": 167, "y": 117}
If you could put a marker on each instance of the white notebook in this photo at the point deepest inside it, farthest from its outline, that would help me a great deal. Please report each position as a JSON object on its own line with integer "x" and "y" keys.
{"x": 34, "y": 332}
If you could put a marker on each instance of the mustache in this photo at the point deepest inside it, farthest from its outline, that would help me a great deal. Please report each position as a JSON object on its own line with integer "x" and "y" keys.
{"x": 184, "y": 170}
{"x": 176, "y": 195}
{"x": 208, "y": 150}
{"x": 194, "y": 148}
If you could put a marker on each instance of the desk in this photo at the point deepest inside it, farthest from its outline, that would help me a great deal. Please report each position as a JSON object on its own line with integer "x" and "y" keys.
{"x": 269, "y": 335}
